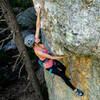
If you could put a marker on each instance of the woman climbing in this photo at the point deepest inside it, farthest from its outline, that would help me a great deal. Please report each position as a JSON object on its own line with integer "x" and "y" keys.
{"x": 46, "y": 60}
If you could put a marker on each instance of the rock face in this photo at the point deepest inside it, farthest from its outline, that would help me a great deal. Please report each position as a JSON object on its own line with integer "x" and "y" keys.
{"x": 73, "y": 26}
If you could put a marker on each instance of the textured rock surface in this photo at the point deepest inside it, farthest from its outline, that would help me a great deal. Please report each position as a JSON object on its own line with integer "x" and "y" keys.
{"x": 73, "y": 26}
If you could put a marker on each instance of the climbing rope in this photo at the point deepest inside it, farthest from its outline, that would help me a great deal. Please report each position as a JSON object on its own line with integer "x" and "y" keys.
{"x": 44, "y": 40}
{"x": 46, "y": 44}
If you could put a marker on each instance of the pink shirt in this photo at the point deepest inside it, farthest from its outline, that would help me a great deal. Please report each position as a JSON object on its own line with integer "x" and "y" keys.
{"x": 49, "y": 63}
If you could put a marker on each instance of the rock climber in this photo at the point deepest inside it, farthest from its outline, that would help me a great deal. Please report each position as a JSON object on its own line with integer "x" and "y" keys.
{"x": 48, "y": 61}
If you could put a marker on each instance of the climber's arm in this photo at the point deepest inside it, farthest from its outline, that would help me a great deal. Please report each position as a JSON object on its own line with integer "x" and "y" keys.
{"x": 37, "y": 26}
{"x": 41, "y": 54}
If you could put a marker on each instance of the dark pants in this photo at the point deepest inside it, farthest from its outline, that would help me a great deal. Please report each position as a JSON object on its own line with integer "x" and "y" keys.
{"x": 59, "y": 69}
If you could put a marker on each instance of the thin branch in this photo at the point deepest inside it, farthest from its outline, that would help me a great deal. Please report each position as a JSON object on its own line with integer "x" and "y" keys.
{"x": 20, "y": 70}
{"x": 1, "y": 16}
{"x": 9, "y": 37}
{"x": 2, "y": 20}
{"x": 14, "y": 66}
{"x": 20, "y": 60}
{"x": 5, "y": 29}
{"x": 15, "y": 56}
{"x": 1, "y": 28}
{"x": 27, "y": 86}
{"x": 1, "y": 45}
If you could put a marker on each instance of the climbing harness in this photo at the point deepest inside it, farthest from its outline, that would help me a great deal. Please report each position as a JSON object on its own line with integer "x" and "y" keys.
{"x": 41, "y": 64}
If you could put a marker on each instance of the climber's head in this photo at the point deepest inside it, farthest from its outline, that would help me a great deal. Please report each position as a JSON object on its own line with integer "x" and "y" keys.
{"x": 29, "y": 40}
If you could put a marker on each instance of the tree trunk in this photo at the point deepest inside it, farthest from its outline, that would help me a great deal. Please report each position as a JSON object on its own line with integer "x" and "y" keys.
{"x": 73, "y": 26}
{"x": 11, "y": 21}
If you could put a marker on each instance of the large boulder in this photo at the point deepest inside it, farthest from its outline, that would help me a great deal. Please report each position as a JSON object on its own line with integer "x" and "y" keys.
{"x": 73, "y": 26}
{"x": 27, "y": 18}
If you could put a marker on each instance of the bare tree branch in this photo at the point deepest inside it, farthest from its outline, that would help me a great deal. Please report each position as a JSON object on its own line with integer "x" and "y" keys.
{"x": 1, "y": 16}
{"x": 9, "y": 37}
{"x": 14, "y": 66}
{"x": 2, "y": 20}
{"x": 27, "y": 86}
{"x": 15, "y": 56}
{"x": 3, "y": 30}
{"x": 1, "y": 45}
{"x": 11, "y": 21}
{"x": 20, "y": 70}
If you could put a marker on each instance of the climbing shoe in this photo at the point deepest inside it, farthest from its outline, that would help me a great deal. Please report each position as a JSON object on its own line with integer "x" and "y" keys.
{"x": 79, "y": 92}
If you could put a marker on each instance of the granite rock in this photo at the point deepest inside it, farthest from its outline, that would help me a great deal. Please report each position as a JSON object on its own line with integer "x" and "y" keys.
{"x": 73, "y": 27}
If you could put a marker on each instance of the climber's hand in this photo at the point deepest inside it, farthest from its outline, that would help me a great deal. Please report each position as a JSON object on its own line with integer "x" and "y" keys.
{"x": 37, "y": 40}
{"x": 67, "y": 55}
{"x": 64, "y": 56}
{"x": 38, "y": 8}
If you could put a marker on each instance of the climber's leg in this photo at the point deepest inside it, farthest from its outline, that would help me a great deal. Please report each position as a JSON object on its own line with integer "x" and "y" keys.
{"x": 59, "y": 66}
{"x": 62, "y": 75}
{"x": 66, "y": 79}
